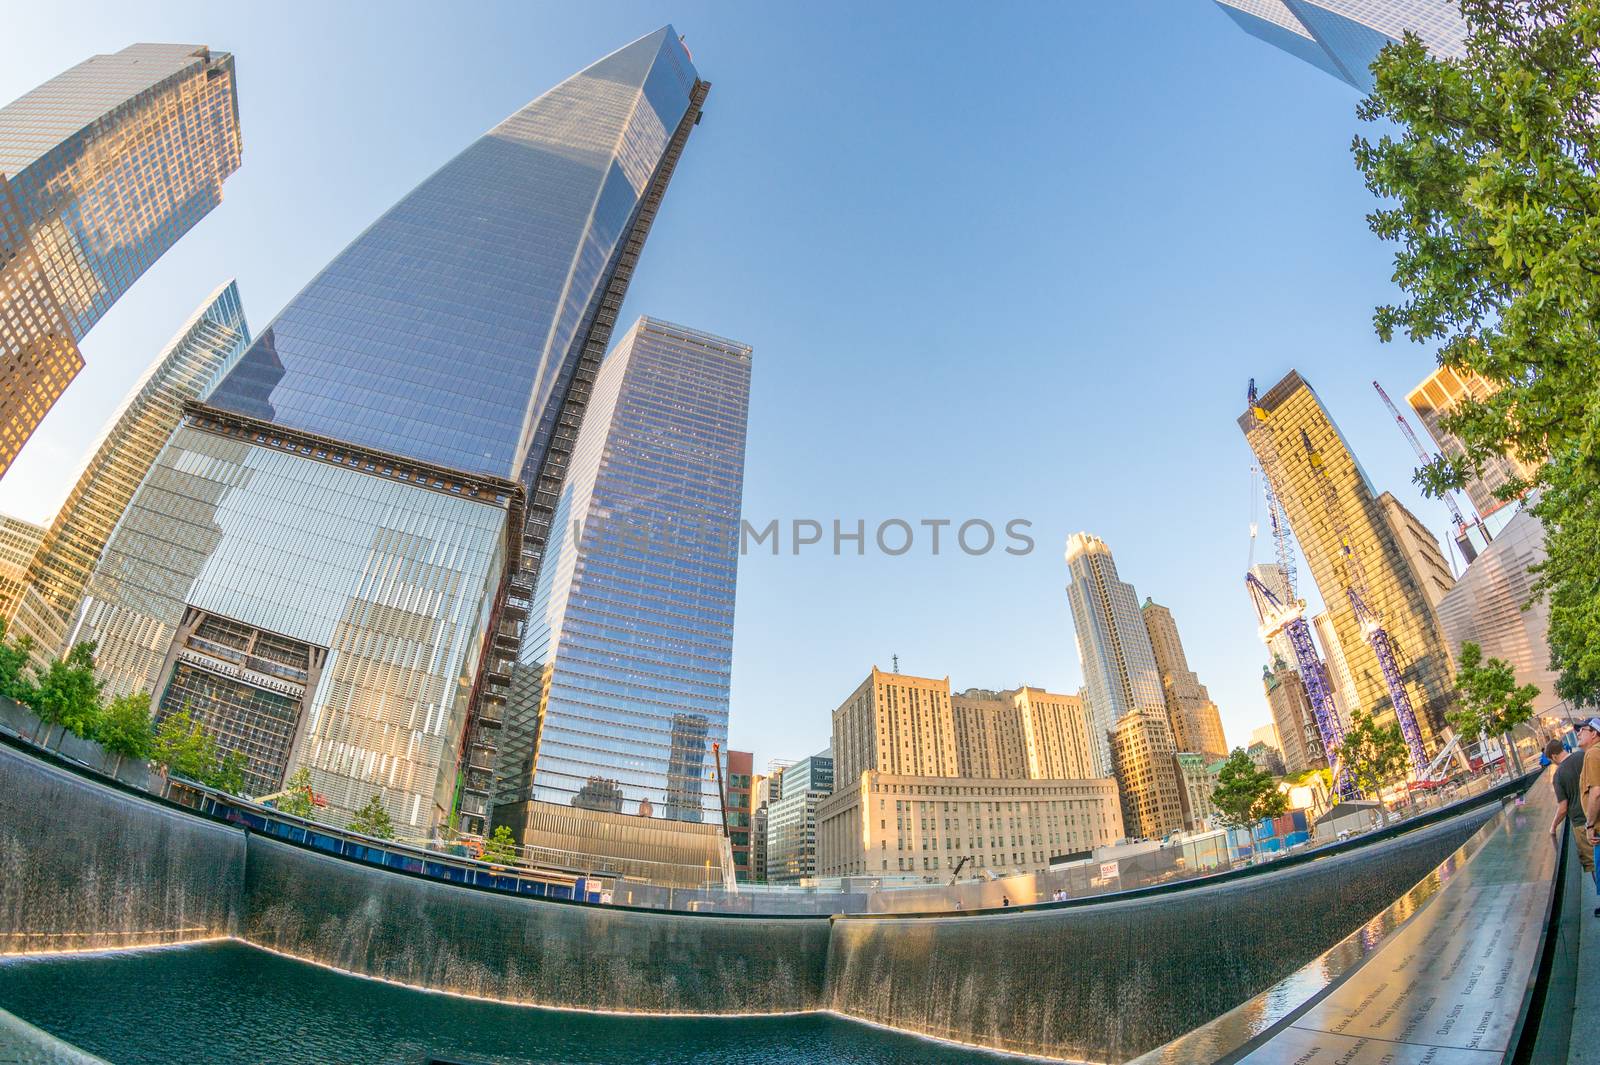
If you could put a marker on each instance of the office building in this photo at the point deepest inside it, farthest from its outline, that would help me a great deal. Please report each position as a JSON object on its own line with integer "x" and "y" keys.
{"x": 766, "y": 785}
{"x": 1421, "y": 549}
{"x": 1196, "y": 724}
{"x": 342, "y": 535}
{"x": 1147, "y": 774}
{"x": 1438, "y": 395}
{"x": 1119, "y": 667}
{"x": 1342, "y": 527}
{"x": 1272, "y": 576}
{"x": 19, "y": 543}
{"x": 1266, "y": 758}
{"x": 889, "y": 824}
{"x": 207, "y": 347}
{"x": 1343, "y": 37}
{"x": 896, "y": 724}
{"x": 629, "y": 642}
{"x": 1486, "y": 607}
{"x": 1299, "y": 740}
{"x": 737, "y": 794}
{"x": 1056, "y": 740}
{"x": 1197, "y": 779}
{"x": 1267, "y": 734}
{"x": 989, "y": 740}
{"x": 792, "y": 819}
{"x": 102, "y": 169}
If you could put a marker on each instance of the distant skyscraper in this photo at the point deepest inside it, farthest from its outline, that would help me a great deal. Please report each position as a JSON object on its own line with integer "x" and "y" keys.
{"x": 792, "y": 819}
{"x": 1119, "y": 666}
{"x": 630, "y": 640}
{"x": 1142, "y": 753}
{"x": 207, "y": 347}
{"x": 1346, "y": 699}
{"x": 1437, "y": 396}
{"x": 1271, "y": 574}
{"x": 1298, "y": 738}
{"x": 1196, "y": 724}
{"x": 102, "y": 169}
{"x": 1421, "y": 549}
{"x": 19, "y": 542}
{"x": 1343, "y": 37}
{"x": 1294, "y": 418}
{"x": 895, "y": 723}
{"x": 340, "y": 538}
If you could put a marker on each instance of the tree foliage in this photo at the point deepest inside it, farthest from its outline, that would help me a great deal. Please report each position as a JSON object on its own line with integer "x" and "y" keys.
{"x": 125, "y": 728}
{"x": 1490, "y": 701}
{"x": 1374, "y": 754}
{"x": 373, "y": 820}
{"x": 15, "y": 680}
{"x": 184, "y": 748}
{"x": 227, "y": 773}
{"x": 501, "y": 847}
{"x": 1245, "y": 794}
{"x": 67, "y": 693}
{"x": 298, "y": 801}
{"x": 1493, "y": 197}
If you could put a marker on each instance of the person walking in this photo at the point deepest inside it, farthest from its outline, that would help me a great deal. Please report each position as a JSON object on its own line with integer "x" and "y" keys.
{"x": 1569, "y": 790}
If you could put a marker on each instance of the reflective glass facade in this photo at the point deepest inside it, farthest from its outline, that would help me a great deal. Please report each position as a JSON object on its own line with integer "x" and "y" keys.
{"x": 442, "y": 332}
{"x": 102, "y": 169}
{"x": 1343, "y": 37}
{"x": 394, "y": 578}
{"x": 1119, "y": 666}
{"x": 209, "y": 343}
{"x": 624, "y": 673}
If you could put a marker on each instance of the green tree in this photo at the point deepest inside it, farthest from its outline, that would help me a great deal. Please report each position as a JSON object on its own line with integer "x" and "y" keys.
{"x": 297, "y": 801}
{"x": 1374, "y": 754}
{"x": 1492, "y": 190}
{"x": 15, "y": 683}
{"x": 1244, "y": 793}
{"x": 184, "y": 748}
{"x": 67, "y": 693}
{"x": 227, "y": 773}
{"x": 1491, "y": 703}
{"x": 373, "y": 820}
{"x": 500, "y": 848}
{"x": 125, "y": 728}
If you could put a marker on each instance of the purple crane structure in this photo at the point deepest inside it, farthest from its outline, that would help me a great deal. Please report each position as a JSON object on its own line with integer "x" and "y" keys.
{"x": 1288, "y": 616}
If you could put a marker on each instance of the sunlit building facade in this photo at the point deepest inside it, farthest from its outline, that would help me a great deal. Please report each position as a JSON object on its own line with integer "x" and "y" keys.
{"x": 102, "y": 169}
{"x": 738, "y": 791}
{"x": 896, "y": 723}
{"x": 207, "y": 347}
{"x": 1196, "y": 723}
{"x": 1119, "y": 666}
{"x": 1343, "y": 37}
{"x": 1299, "y": 740}
{"x": 630, "y": 639}
{"x": 356, "y": 496}
{"x": 1438, "y": 395}
{"x": 1299, "y": 428}
{"x": 1142, "y": 756}
{"x": 19, "y": 543}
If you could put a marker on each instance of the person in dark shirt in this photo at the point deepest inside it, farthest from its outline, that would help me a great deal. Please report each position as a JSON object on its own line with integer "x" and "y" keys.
{"x": 1569, "y": 795}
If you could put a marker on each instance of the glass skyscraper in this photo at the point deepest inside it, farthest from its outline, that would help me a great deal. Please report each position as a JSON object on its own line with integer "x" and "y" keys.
{"x": 102, "y": 169}
{"x": 1119, "y": 666}
{"x": 1343, "y": 37}
{"x": 341, "y": 537}
{"x": 207, "y": 346}
{"x": 624, "y": 678}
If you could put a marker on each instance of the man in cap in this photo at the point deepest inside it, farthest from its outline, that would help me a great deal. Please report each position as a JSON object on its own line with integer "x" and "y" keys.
{"x": 1569, "y": 793}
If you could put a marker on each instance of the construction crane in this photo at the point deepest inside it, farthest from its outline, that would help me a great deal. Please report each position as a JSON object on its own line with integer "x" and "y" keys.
{"x": 1370, "y": 620}
{"x": 1463, "y": 542}
{"x": 1288, "y": 616}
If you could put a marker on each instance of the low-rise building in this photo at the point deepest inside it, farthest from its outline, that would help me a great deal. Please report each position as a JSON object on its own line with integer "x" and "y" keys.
{"x": 1196, "y": 780}
{"x": 888, "y": 824}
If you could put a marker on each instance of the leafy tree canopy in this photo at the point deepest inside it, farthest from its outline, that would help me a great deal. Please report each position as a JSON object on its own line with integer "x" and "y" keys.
{"x": 1492, "y": 194}
{"x": 67, "y": 693}
{"x": 298, "y": 800}
{"x": 501, "y": 847}
{"x": 1490, "y": 701}
{"x": 1374, "y": 754}
{"x": 125, "y": 727}
{"x": 1244, "y": 793}
{"x": 373, "y": 820}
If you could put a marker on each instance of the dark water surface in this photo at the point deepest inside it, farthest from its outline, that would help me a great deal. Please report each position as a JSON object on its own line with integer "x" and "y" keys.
{"x": 230, "y": 1004}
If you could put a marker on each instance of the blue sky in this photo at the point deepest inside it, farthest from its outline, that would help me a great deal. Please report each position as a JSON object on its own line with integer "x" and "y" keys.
{"x": 1010, "y": 265}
